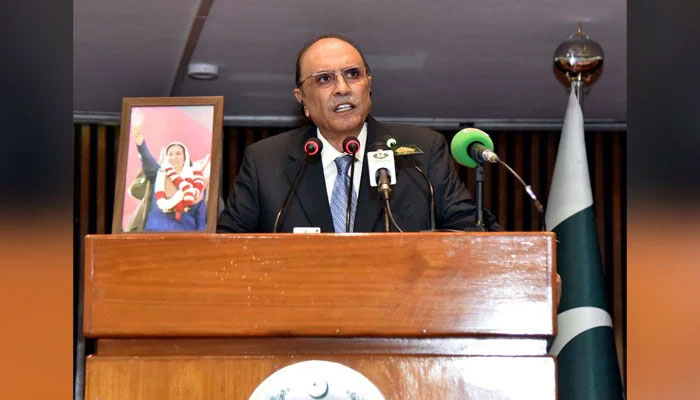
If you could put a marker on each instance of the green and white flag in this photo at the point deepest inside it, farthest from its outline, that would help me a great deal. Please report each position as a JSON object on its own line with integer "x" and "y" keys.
{"x": 584, "y": 346}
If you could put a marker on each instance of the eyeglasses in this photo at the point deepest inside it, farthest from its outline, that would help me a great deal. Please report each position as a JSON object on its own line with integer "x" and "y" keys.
{"x": 326, "y": 79}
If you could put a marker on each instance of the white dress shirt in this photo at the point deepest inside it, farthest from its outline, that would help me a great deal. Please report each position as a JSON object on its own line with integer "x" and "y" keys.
{"x": 328, "y": 156}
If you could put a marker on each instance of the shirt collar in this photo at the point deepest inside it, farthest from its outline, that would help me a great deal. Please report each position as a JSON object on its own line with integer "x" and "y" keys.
{"x": 329, "y": 153}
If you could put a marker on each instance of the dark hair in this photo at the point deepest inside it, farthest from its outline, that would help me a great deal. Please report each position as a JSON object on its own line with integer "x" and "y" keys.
{"x": 326, "y": 36}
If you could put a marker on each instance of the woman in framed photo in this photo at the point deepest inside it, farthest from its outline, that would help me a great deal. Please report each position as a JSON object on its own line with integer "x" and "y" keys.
{"x": 172, "y": 189}
{"x": 167, "y": 187}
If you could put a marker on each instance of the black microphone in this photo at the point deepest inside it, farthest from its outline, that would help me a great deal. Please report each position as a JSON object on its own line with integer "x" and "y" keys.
{"x": 312, "y": 147}
{"x": 351, "y": 146}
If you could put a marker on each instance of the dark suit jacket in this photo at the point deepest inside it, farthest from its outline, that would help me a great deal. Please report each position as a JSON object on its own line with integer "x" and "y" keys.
{"x": 269, "y": 167}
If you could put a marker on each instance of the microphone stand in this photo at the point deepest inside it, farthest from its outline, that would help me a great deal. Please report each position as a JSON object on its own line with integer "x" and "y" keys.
{"x": 480, "y": 179}
{"x": 387, "y": 227}
{"x": 383, "y": 181}
{"x": 352, "y": 179}
{"x": 289, "y": 193}
{"x": 388, "y": 215}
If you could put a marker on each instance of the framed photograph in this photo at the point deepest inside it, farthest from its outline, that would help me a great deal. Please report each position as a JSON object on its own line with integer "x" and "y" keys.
{"x": 168, "y": 166}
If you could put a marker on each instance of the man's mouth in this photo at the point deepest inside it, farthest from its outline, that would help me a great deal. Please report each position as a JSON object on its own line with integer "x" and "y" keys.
{"x": 343, "y": 108}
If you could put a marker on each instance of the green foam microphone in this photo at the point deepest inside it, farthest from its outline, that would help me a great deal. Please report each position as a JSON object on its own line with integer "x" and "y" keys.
{"x": 472, "y": 146}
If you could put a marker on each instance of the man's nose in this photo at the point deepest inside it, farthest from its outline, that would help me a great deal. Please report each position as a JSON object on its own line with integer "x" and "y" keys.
{"x": 341, "y": 86}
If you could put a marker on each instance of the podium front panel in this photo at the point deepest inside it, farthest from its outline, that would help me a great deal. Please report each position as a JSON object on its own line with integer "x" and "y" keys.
{"x": 329, "y": 285}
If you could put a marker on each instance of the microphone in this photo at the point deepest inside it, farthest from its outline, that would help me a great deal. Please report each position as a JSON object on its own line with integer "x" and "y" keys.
{"x": 382, "y": 169}
{"x": 312, "y": 147}
{"x": 351, "y": 145}
{"x": 472, "y": 147}
{"x": 387, "y": 140}
{"x": 382, "y": 174}
{"x": 482, "y": 153}
{"x": 400, "y": 150}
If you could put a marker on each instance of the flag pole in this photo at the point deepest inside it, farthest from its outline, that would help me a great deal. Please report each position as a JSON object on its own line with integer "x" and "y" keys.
{"x": 577, "y": 88}
{"x": 587, "y": 367}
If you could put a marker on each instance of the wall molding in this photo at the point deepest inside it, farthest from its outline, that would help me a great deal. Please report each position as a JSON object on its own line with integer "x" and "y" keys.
{"x": 291, "y": 121}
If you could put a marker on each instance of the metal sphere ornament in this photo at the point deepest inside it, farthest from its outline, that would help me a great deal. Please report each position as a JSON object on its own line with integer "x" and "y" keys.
{"x": 579, "y": 57}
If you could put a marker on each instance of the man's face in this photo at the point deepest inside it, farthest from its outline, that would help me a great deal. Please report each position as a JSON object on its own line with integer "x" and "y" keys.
{"x": 328, "y": 107}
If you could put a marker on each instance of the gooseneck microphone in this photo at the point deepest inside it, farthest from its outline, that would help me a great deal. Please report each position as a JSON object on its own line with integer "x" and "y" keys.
{"x": 466, "y": 147}
{"x": 351, "y": 146}
{"x": 312, "y": 147}
{"x": 472, "y": 147}
{"x": 382, "y": 169}
{"x": 382, "y": 174}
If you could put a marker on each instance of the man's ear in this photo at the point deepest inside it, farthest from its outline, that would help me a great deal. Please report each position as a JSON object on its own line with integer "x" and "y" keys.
{"x": 300, "y": 98}
{"x": 369, "y": 84}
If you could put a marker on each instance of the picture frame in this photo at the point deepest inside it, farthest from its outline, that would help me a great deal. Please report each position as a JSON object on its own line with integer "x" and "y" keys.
{"x": 168, "y": 166}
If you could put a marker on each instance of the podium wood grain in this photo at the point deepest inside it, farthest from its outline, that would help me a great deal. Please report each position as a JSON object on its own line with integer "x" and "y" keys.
{"x": 407, "y": 285}
{"x": 397, "y": 377}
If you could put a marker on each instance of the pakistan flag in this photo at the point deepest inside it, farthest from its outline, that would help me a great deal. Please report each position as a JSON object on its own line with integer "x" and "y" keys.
{"x": 584, "y": 346}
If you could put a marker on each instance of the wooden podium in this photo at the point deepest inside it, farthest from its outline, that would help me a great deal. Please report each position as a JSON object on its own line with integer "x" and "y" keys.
{"x": 421, "y": 315}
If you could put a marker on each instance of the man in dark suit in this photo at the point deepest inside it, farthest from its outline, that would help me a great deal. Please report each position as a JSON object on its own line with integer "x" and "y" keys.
{"x": 333, "y": 88}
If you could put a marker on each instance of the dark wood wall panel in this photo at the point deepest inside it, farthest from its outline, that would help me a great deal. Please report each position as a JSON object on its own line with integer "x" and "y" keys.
{"x": 530, "y": 153}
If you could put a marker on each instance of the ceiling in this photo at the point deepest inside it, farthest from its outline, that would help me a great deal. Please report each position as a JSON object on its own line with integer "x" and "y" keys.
{"x": 450, "y": 59}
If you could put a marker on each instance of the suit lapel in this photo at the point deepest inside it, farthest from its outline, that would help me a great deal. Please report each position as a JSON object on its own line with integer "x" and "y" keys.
{"x": 310, "y": 191}
{"x": 369, "y": 206}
